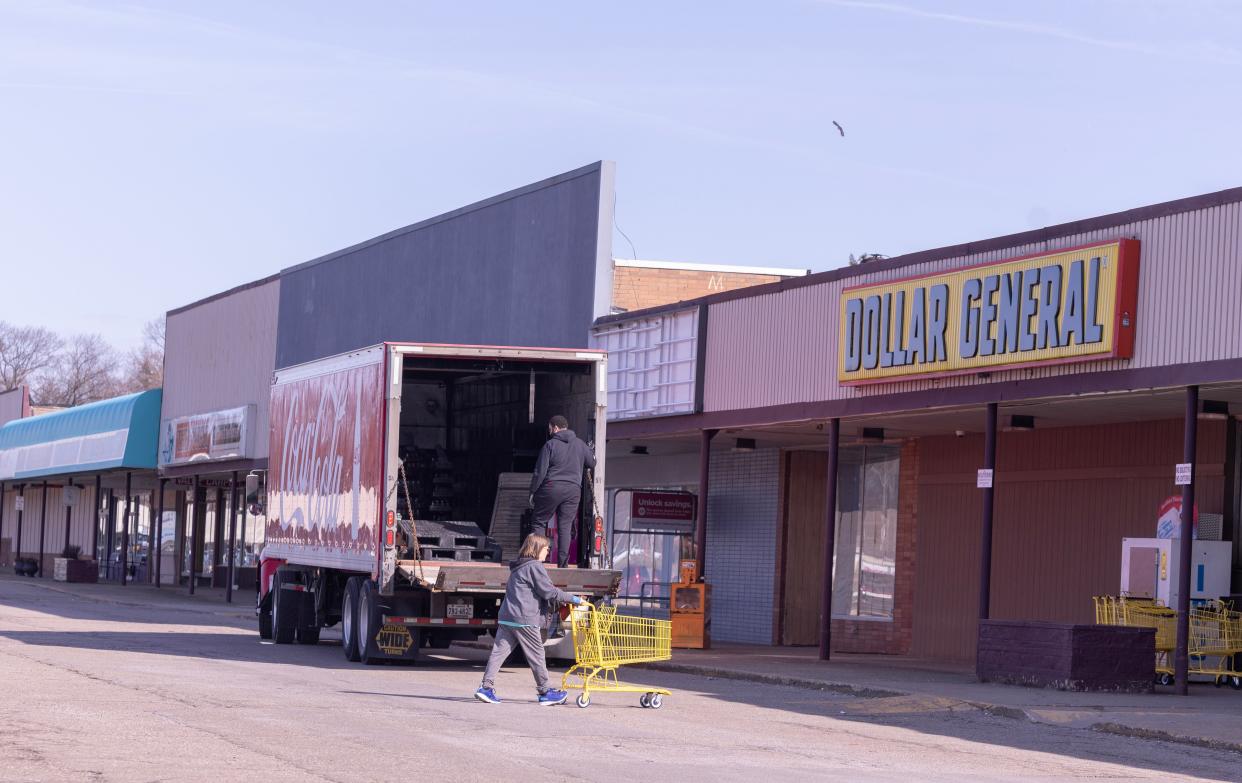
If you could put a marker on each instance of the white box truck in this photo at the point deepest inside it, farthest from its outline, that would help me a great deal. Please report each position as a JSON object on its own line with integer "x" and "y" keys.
{"x": 365, "y": 445}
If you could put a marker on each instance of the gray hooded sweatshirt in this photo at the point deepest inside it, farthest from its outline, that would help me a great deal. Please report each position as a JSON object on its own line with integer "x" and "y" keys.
{"x": 529, "y": 592}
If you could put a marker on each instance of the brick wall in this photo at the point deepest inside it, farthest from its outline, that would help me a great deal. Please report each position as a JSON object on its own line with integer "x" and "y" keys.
{"x": 635, "y": 288}
{"x": 741, "y": 544}
{"x": 892, "y": 638}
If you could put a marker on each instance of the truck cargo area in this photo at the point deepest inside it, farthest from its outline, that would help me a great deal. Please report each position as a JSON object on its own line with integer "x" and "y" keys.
{"x": 469, "y": 426}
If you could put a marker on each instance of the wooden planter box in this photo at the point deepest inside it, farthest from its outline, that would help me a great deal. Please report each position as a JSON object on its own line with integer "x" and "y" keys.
{"x": 1067, "y": 657}
{"x": 67, "y": 570}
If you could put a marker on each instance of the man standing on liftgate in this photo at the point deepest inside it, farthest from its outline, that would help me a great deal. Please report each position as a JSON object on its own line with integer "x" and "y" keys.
{"x": 556, "y": 487}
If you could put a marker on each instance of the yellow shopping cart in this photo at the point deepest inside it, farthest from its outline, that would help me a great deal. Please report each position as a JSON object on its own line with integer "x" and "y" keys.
{"x": 604, "y": 641}
{"x": 1215, "y": 640}
{"x": 1143, "y": 613}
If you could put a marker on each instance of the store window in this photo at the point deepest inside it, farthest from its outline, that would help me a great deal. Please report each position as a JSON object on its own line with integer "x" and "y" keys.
{"x": 647, "y": 558}
{"x": 865, "y": 561}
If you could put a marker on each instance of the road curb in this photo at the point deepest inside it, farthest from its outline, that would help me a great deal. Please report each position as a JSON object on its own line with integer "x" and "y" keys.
{"x": 1123, "y": 730}
{"x": 1000, "y": 710}
{"x": 773, "y": 679}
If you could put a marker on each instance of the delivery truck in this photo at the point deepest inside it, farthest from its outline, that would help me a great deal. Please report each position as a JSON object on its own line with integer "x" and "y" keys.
{"x": 388, "y": 470}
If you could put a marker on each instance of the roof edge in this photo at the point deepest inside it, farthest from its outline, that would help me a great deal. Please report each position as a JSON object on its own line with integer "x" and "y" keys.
{"x": 234, "y": 290}
{"x": 1046, "y": 234}
{"x": 491, "y": 201}
{"x": 739, "y": 269}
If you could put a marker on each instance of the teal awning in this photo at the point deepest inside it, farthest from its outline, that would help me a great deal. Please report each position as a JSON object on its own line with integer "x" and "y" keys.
{"x": 118, "y": 433}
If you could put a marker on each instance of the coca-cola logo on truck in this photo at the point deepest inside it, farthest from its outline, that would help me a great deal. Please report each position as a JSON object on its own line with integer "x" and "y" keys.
{"x": 325, "y": 452}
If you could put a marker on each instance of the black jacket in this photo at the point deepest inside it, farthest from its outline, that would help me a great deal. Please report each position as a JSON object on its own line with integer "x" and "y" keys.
{"x": 562, "y": 458}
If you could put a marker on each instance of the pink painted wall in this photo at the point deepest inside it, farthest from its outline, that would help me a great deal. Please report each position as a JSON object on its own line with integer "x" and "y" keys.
{"x": 781, "y": 348}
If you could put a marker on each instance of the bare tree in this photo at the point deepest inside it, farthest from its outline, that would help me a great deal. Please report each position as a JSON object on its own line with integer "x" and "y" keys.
{"x": 25, "y": 351}
{"x": 145, "y": 364}
{"x": 84, "y": 371}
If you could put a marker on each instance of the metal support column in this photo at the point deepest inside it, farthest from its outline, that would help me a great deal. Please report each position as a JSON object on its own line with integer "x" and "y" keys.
{"x": 111, "y": 523}
{"x": 21, "y": 512}
{"x": 42, "y": 530}
{"x": 1190, "y": 438}
{"x": 193, "y": 515}
{"x": 157, "y": 541}
{"x": 830, "y": 537}
{"x": 3, "y": 489}
{"x": 68, "y": 512}
{"x": 985, "y": 558}
{"x": 98, "y": 506}
{"x": 228, "y": 587}
{"x": 700, "y": 530}
{"x": 125, "y": 533}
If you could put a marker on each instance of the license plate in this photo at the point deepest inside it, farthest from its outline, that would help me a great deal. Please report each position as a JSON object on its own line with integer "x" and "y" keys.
{"x": 460, "y": 611}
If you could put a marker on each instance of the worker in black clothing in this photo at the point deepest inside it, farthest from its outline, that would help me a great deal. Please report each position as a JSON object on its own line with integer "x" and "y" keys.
{"x": 556, "y": 487}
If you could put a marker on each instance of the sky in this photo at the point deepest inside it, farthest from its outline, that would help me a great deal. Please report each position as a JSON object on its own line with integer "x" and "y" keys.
{"x": 153, "y": 153}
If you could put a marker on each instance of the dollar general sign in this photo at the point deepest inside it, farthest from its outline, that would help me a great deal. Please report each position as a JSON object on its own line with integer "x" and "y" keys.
{"x": 1072, "y": 305}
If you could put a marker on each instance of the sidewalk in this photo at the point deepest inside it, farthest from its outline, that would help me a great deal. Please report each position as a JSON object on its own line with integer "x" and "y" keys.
{"x": 1209, "y": 716}
{"x": 206, "y": 600}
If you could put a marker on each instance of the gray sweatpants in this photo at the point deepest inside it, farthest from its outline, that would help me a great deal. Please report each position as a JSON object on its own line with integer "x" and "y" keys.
{"x": 531, "y": 642}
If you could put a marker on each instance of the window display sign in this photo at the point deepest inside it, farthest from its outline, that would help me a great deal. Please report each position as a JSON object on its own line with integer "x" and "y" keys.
{"x": 1073, "y": 305}
{"x": 672, "y": 512}
{"x": 208, "y": 437}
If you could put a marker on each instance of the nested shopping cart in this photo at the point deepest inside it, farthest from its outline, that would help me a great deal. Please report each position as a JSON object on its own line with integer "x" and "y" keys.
{"x": 605, "y": 641}
{"x": 1215, "y": 635}
{"x": 1215, "y": 640}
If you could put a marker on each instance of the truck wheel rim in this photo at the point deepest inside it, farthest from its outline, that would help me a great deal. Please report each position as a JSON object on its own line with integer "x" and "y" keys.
{"x": 347, "y": 620}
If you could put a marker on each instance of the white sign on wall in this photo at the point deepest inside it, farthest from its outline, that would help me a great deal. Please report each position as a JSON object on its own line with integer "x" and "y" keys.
{"x": 652, "y": 364}
{"x": 19, "y": 503}
{"x": 208, "y": 437}
{"x": 984, "y": 478}
{"x": 1183, "y": 474}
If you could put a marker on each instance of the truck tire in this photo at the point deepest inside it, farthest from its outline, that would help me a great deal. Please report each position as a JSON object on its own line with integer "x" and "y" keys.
{"x": 368, "y": 623}
{"x": 349, "y": 619}
{"x": 286, "y": 608}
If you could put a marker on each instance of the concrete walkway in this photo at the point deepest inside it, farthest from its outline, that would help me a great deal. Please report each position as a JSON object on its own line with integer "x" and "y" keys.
{"x": 206, "y": 600}
{"x": 1209, "y": 716}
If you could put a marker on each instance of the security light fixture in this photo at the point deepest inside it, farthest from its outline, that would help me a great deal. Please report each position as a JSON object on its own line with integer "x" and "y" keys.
{"x": 744, "y": 444}
{"x": 873, "y": 433}
{"x": 1214, "y": 409}
{"x": 640, "y": 451}
{"x": 1022, "y": 422}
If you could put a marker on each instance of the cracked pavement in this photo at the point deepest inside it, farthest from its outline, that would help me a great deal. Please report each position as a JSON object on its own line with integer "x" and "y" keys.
{"x": 103, "y": 687}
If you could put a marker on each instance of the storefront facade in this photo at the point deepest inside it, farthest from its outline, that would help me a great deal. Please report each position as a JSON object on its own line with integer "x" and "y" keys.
{"x": 80, "y": 483}
{"x": 1084, "y": 336}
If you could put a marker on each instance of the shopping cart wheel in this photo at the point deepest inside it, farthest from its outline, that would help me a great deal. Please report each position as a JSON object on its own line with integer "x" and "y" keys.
{"x": 1235, "y": 682}
{"x": 584, "y": 700}
{"x": 644, "y": 701}
{"x": 1165, "y": 678}
{"x": 656, "y": 701}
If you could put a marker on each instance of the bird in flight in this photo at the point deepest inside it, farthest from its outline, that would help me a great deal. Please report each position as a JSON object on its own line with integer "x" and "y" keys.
{"x": 842, "y": 130}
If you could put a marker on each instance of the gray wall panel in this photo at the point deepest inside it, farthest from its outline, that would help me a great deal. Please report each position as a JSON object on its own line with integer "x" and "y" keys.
{"x": 517, "y": 269}
{"x": 220, "y": 354}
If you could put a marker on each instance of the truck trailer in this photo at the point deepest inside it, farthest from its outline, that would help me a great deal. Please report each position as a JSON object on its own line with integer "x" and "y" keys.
{"x": 368, "y": 445}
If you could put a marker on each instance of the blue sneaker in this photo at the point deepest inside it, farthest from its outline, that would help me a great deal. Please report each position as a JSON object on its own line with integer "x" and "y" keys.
{"x": 488, "y": 695}
{"x": 552, "y": 697}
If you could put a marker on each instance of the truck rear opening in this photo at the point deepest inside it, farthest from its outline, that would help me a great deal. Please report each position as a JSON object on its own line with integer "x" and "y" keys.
{"x": 398, "y": 478}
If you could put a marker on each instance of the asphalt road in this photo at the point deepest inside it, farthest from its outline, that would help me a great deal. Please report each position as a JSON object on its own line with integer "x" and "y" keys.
{"x": 99, "y": 690}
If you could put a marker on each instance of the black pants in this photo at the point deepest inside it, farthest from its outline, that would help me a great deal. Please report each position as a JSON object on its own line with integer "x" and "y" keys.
{"x": 557, "y": 502}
